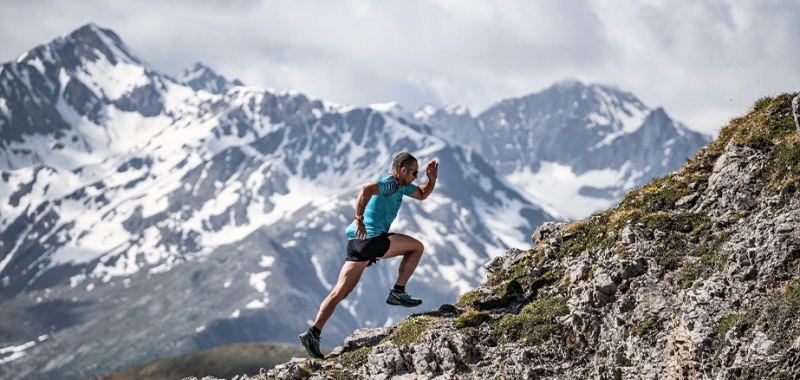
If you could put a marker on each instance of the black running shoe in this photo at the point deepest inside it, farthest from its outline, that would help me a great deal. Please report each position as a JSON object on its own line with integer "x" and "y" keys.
{"x": 402, "y": 299}
{"x": 311, "y": 343}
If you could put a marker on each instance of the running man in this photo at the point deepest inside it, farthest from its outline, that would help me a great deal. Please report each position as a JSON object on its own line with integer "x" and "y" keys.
{"x": 369, "y": 239}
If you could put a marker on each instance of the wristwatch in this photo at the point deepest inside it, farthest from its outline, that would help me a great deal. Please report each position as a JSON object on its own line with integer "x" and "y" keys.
{"x": 359, "y": 217}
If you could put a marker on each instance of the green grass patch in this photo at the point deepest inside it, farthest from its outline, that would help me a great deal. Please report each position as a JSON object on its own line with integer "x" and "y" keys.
{"x": 471, "y": 297}
{"x": 533, "y": 324}
{"x": 516, "y": 284}
{"x": 690, "y": 272}
{"x": 777, "y": 316}
{"x": 643, "y": 328}
{"x": 694, "y": 223}
{"x": 353, "y": 359}
{"x": 596, "y": 232}
{"x": 676, "y": 234}
{"x": 782, "y": 172}
{"x": 710, "y": 249}
{"x": 770, "y": 120}
{"x": 501, "y": 296}
{"x": 515, "y": 271}
{"x": 791, "y": 296}
{"x": 471, "y": 318}
{"x": 727, "y": 322}
{"x": 770, "y": 128}
{"x": 409, "y": 331}
{"x": 660, "y": 194}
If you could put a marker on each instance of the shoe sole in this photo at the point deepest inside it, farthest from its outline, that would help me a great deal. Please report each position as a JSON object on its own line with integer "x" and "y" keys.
{"x": 402, "y": 304}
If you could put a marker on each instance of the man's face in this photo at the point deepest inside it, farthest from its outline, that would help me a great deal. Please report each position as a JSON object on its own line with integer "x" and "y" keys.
{"x": 409, "y": 173}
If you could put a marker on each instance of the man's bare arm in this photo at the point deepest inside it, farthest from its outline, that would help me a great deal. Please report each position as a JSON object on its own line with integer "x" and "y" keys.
{"x": 423, "y": 191}
{"x": 366, "y": 193}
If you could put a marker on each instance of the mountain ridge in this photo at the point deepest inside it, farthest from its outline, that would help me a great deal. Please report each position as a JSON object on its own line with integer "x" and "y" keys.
{"x": 598, "y": 140}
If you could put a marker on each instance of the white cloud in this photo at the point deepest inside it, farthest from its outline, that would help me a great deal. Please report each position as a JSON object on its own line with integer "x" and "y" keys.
{"x": 704, "y": 61}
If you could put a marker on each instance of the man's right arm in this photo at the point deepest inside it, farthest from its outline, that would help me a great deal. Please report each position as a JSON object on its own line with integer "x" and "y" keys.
{"x": 366, "y": 193}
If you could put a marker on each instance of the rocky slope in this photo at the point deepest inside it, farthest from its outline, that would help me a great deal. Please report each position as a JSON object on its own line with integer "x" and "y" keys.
{"x": 693, "y": 275}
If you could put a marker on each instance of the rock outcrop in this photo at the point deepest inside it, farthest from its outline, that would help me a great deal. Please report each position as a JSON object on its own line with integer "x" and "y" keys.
{"x": 694, "y": 275}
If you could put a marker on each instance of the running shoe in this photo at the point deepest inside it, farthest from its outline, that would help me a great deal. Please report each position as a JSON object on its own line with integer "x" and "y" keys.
{"x": 311, "y": 343}
{"x": 402, "y": 299}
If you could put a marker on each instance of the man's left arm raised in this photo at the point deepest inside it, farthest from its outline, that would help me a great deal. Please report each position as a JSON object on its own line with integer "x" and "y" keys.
{"x": 432, "y": 172}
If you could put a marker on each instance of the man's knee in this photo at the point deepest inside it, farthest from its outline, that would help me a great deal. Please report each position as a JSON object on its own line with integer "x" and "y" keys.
{"x": 419, "y": 247}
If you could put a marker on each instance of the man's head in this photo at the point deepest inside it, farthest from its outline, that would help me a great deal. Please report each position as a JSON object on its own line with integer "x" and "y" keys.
{"x": 405, "y": 168}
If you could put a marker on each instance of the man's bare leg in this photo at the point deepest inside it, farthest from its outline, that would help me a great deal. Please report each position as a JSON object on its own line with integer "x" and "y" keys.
{"x": 411, "y": 250}
{"x": 348, "y": 279}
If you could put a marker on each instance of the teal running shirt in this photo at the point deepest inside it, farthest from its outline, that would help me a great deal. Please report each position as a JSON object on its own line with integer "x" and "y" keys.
{"x": 382, "y": 208}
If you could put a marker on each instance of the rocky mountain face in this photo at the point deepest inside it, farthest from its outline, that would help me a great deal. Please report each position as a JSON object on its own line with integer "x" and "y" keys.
{"x": 144, "y": 216}
{"x": 598, "y": 141}
{"x": 693, "y": 275}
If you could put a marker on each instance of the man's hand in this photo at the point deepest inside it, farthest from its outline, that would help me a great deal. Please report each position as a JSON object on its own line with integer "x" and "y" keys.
{"x": 361, "y": 230}
{"x": 432, "y": 170}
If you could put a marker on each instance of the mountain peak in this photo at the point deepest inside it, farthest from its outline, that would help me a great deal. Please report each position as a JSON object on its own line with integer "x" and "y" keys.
{"x": 201, "y": 77}
{"x": 569, "y": 83}
{"x": 394, "y": 109}
{"x": 429, "y": 112}
{"x": 92, "y": 29}
{"x": 90, "y": 41}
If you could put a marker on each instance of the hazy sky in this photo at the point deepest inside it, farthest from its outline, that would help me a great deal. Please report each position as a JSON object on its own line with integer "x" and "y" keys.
{"x": 704, "y": 61}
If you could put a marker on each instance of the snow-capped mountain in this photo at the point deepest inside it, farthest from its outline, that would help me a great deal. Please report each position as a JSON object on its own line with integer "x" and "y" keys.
{"x": 201, "y": 77}
{"x": 143, "y": 216}
{"x": 579, "y": 147}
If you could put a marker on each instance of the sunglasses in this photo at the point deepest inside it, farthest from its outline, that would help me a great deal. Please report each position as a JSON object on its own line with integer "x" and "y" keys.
{"x": 414, "y": 172}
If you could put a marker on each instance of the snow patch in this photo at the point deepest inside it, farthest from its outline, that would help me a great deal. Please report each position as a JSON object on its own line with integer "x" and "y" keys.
{"x": 320, "y": 272}
{"x": 255, "y": 304}
{"x": 259, "y": 281}
{"x": 497, "y": 219}
{"x": 559, "y": 184}
{"x": 266, "y": 261}
{"x": 11, "y": 353}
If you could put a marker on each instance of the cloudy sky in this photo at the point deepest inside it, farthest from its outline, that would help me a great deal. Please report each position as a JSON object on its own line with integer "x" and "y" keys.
{"x": 704, "y": 61}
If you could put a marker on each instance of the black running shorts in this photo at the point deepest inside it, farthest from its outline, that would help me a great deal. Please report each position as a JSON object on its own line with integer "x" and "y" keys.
{"x": 368, "y": 249}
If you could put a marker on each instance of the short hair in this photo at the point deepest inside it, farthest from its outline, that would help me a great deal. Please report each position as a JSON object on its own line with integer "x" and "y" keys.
{"x": 402, "y": 160}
